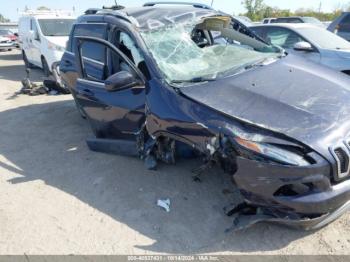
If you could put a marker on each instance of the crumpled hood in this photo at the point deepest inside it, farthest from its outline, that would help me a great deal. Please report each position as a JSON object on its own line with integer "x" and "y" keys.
{"x": 300, "y": 99}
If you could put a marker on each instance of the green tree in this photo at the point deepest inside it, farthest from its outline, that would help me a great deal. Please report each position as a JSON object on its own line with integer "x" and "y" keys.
{"x": 257, "y": 10}
{"x": 3, "y": 19}
{"x": 254, "y": 8}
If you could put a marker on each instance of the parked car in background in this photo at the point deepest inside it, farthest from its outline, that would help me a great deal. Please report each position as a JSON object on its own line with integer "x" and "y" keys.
{"x": 43, "y": 37}
{"x": 10, "y": 34}
{"x": 298, "y": 20}
{"x": 245, "y": 19}
{"x": 341, "y": 26}
{"x": 5, "y": 44}
{"x": 310, "y": 42}
{"x": 153, "y": 83}
{"x": 268, "y": 20}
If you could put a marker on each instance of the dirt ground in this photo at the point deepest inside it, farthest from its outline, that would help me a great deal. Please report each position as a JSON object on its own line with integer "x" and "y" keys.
{"x": 57, "y": 197}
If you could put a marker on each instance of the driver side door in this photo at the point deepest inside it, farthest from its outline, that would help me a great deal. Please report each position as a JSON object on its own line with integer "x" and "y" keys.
{"x": 113, "y": 113}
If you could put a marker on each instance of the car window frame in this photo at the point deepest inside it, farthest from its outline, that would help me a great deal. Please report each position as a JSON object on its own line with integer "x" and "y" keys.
{"x": 108, "y": 45}
{"x": 118, "y": 27}
{"x": 315, "y": 49}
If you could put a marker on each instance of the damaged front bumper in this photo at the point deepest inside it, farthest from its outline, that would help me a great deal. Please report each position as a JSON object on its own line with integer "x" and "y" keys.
{"x": 301, "y": 197}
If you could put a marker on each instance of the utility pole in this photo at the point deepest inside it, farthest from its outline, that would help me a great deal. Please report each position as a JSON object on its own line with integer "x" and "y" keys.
{"x": 320, "y": 7}
{"x": 212, "y": 2}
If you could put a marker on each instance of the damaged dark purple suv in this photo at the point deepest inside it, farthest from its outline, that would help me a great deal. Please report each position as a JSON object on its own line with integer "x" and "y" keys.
{"x": 162, "y": 82}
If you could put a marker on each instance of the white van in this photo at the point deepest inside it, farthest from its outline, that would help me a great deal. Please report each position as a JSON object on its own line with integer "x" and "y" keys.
{"x": 43, "y": 36}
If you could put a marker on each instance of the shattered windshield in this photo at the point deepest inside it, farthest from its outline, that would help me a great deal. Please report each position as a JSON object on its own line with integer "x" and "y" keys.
{"x": 181, "y": 59}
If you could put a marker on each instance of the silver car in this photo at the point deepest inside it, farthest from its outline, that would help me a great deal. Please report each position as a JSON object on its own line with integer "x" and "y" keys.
{"x": 5, "y": 44}
{"x": 309, "y": 41}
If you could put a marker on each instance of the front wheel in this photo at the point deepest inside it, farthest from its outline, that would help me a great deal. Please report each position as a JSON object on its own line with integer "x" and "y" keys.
{"x": 45, "y": 66}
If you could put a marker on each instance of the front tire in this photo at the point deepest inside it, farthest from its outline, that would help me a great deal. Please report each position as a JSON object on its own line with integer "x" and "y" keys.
{"x": 45, "y": 66}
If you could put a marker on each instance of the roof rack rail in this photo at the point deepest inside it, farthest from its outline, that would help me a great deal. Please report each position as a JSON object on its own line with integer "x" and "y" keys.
{"x": 197, "y": 5}
{"x": 114, "y": 7}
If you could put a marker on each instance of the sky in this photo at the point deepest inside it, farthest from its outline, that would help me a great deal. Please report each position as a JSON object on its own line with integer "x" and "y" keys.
{"x": 10, "y": 8}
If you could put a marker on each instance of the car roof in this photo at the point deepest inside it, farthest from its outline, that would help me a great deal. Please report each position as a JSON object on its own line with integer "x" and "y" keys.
{"x": 149, "y": 17}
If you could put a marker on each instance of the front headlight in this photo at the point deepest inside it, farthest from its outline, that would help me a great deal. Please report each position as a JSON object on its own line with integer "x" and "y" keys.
{"x": 272, "y": 152}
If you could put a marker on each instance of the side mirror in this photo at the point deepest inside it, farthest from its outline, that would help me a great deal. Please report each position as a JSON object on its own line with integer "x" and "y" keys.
{"x": 119, "y": 81}
{"x": 303, "y": 46}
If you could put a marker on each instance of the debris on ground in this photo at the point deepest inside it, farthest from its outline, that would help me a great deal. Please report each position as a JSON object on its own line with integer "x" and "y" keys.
{"x": 164, "y": 203}
{"x": 49, "y": 86}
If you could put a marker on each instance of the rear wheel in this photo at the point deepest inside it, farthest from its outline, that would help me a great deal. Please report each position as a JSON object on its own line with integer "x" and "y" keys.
{"x": 26, "y": 62}
{"x": 45, "y": 67}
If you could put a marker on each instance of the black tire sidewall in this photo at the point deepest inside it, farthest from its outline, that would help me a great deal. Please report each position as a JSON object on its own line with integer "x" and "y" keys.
{"x": 45, "y": 66}
{"x": 25, "y": 59}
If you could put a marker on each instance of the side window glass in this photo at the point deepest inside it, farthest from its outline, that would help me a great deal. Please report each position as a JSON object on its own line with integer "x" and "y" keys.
{"x": 129, "y": 48}
{"x": 94, "y": 61}
{"x": 282, "y": 37}
{"x": 34, "y": 28}
{"x": 93, "y": 30}
{"x": 344, "y": 25}
{"x": 94, "y": 54}
{"x": 259, "y": 31}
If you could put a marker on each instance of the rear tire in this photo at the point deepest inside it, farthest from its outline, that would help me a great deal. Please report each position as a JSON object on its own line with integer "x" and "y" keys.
{"x": 26, "y": 62}
{"x": 45, "y": 66}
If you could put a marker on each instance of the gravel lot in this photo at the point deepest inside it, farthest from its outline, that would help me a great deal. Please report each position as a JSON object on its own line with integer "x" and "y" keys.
{"x": 57, "y": 197}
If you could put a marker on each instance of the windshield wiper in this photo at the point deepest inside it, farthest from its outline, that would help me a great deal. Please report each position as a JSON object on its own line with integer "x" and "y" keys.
{"x": 194, "y": 80}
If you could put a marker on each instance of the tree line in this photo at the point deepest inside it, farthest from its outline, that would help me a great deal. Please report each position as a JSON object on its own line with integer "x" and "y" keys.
{"x": 258, "y": 10}
{"x": 3, "y": 19}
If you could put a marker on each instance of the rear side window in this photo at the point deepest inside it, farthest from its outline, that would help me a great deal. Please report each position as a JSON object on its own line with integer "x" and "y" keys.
{"x": 288, "y": 20}
{"x": 260, "y": 31}
{"x": 282, "y": 37}
{"x": 91, "y": 50}
{"x": 344, "y": 25}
